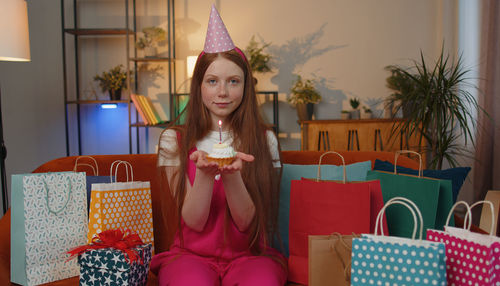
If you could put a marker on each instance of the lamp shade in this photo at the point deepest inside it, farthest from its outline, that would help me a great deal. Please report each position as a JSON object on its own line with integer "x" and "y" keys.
{"x": 14, "y": 33}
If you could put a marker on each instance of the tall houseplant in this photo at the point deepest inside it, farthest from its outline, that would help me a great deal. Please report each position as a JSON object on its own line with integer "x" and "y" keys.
{"x": 437, "y": 106}
{"x": 304, "y": 96}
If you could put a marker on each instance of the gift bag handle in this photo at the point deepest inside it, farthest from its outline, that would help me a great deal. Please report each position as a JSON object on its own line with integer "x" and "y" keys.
{"x": 453, "y": 209}
{"x": 347, "y": 266}
{"x": 118, "y": 163}
{"x": 406, "y": 202}
{"x": 47, "y": 197}
{"x": 318, "y": 175}
{"x": 95, "y": 169}
{"x": 406, "y": 152}
{"x": 468, "y": 215}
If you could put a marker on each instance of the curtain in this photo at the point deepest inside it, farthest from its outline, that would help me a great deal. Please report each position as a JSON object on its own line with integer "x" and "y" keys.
{"x": 487, "y": 163}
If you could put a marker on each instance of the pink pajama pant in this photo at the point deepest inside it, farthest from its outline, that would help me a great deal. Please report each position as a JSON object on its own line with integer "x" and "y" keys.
{"x": 189, "y": 269}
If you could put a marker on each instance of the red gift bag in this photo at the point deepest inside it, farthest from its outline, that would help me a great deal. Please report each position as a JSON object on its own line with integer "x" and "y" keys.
{"x": 321, "y": 208}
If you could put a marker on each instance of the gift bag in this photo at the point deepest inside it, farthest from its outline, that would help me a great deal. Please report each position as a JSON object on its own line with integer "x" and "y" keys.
{"x": 49, "y": 217}
{"x": 432, "y": 196}
{"x": 376, "y": 198}
{"x": 472, "y": 258}
{"x": 320, "y": 208}
{"x": 330, "y": 259}
{"x": 91, "y": 179}
{"x": 124, "y": 205}
{"x": 389, "y": 260}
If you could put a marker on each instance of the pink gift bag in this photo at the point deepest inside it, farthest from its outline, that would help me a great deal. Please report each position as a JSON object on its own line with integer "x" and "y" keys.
{"x": 471, "y": 258}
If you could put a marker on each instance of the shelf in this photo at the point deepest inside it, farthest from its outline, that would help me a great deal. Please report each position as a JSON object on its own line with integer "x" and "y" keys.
{"x": 141, "y": 124}
{"x": 98, "y": 32}
{"x": 96, "y": 101}
{"x": 151, "y": 59}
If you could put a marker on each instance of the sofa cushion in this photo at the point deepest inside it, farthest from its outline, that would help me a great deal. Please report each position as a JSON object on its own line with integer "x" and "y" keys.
{"x": 456, "y": 175}
{"x": 354, "y": 172}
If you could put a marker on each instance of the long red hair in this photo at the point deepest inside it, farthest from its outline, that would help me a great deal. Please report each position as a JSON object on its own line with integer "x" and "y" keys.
{"x": 249, "y": 136}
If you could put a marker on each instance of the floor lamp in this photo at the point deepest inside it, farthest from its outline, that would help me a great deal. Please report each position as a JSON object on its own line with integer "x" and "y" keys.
{"x": 14, "y": 47}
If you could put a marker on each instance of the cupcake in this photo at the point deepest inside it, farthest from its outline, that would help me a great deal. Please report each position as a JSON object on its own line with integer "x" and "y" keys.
{"x": 221, "y": 154}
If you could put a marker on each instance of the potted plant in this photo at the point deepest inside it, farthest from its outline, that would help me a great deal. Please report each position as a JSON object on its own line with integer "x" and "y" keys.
{"x": 151, "y": 38}
{"x": 304, "y": 96}
{"x": 258, "y": 60}
{"x": 113, "y": 81}
{"x": 438, "y": 106}
{"x": 345, "y": 114}
{"x": 355, "y": 113}
{"x": 366, "y": 113}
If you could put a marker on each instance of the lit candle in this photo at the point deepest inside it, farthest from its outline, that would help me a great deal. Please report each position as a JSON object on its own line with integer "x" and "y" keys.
{"x": 220, "y": 131}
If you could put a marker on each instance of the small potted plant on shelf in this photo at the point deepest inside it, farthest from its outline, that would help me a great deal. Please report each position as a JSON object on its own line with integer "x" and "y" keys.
{"x": 258, "y": 60}
{"x": 113, "y": 81}
{"x": 345, "y": 114}
{"x": 304, "y": 96}
{"x": 355, "y": 113}
{"x": 152, "y": 37}
{"x": 366, "y": 113}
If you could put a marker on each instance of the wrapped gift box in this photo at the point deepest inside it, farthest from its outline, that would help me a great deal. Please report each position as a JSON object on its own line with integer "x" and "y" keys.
{"x": 109, "y": 266}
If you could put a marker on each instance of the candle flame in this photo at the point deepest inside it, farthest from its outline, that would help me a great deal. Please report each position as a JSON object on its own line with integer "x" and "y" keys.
{"x": 220, "y": 122}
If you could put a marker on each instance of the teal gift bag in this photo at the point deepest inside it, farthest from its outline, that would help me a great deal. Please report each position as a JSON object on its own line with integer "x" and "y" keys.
{"x": 48, "y": 218}
{"x": 388, "y": 260}
{"x": 432, "y": 196}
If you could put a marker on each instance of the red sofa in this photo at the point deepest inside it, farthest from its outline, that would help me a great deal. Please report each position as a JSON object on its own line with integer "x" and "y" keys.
{"x": 145, "y": 170}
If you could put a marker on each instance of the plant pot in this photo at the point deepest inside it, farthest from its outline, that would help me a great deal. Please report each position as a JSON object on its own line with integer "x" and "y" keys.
{"x": 305, "y": 111}
{"x": 355, "y": 114}
{"x": 366, "y": 115}
{"x": 150, "y": 52}
{"x": 344, "y": 116}
{"x": 115, "y": 94}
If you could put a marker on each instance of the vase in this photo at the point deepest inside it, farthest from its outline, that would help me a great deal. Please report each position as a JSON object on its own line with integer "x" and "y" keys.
{"x": 150, "y": 52}
{"x": 305, "y": 111}
{"x": 355, "y": 114}
{"x": 115, "y": 94}
{"x": 345, "y": 115}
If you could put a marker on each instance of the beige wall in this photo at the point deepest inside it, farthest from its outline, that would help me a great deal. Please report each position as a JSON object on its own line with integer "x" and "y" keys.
{"x": 344, "y": 44}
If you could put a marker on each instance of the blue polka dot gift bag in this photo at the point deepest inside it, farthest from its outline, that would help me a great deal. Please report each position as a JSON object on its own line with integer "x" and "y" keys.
{"x": 396, "y": 261}
{"x": 471, "y": 258}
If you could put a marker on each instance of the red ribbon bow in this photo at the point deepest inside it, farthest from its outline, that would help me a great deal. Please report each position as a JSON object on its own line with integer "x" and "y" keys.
{"x": 113, "y": 238}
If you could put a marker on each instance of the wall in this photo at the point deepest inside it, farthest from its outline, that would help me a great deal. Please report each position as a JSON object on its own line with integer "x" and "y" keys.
{"x": 345, "y": 44}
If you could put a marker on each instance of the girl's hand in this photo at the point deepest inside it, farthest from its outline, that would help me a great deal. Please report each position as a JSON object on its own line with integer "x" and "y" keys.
{"x": 201, "y": 162}
{"x": 237, "y": 163}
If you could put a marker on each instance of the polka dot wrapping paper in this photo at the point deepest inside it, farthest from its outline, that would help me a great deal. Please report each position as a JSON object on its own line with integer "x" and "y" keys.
{"x": 121, "y": 205}
{"x": 467, "y": 261}
{"x": 387, "y": 260}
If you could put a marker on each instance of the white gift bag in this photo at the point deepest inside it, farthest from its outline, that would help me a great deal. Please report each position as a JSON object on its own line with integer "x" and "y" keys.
{"x": 49, "y": 217}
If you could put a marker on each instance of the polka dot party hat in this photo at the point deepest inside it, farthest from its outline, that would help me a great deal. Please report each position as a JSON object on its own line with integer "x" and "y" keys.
{"x": 218, "y": 39}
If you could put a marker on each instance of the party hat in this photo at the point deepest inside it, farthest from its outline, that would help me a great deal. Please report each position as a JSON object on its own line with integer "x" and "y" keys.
{"x": 218, "y": 39}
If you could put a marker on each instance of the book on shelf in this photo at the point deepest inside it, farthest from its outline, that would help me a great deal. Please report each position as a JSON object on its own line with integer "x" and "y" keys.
{"x": 147, "y": 111}
{"x": 154, "y": 111}
{"x": 140, "y": 109}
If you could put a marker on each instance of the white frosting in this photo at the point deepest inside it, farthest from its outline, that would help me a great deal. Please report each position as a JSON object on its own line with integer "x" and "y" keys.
{"x": 222, "y": 150}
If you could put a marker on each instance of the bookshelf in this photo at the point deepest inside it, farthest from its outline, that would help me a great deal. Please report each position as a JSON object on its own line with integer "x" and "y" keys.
{"x": 114, "y": 43}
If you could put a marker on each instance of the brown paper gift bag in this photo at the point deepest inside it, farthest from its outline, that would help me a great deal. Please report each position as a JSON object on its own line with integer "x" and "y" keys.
{"x": 330, "y": 259}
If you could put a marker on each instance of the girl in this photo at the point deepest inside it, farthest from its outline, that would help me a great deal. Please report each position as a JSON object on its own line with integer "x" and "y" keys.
{"x": 227, "y": 215}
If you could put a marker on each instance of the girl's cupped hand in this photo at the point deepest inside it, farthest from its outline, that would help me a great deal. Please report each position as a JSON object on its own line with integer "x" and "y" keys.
{"x": 237, "y": 164}
{"x": 201, "y": 162}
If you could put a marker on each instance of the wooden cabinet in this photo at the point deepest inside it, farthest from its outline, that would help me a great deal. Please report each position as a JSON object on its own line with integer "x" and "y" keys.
{"x": 355, "y": 135}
